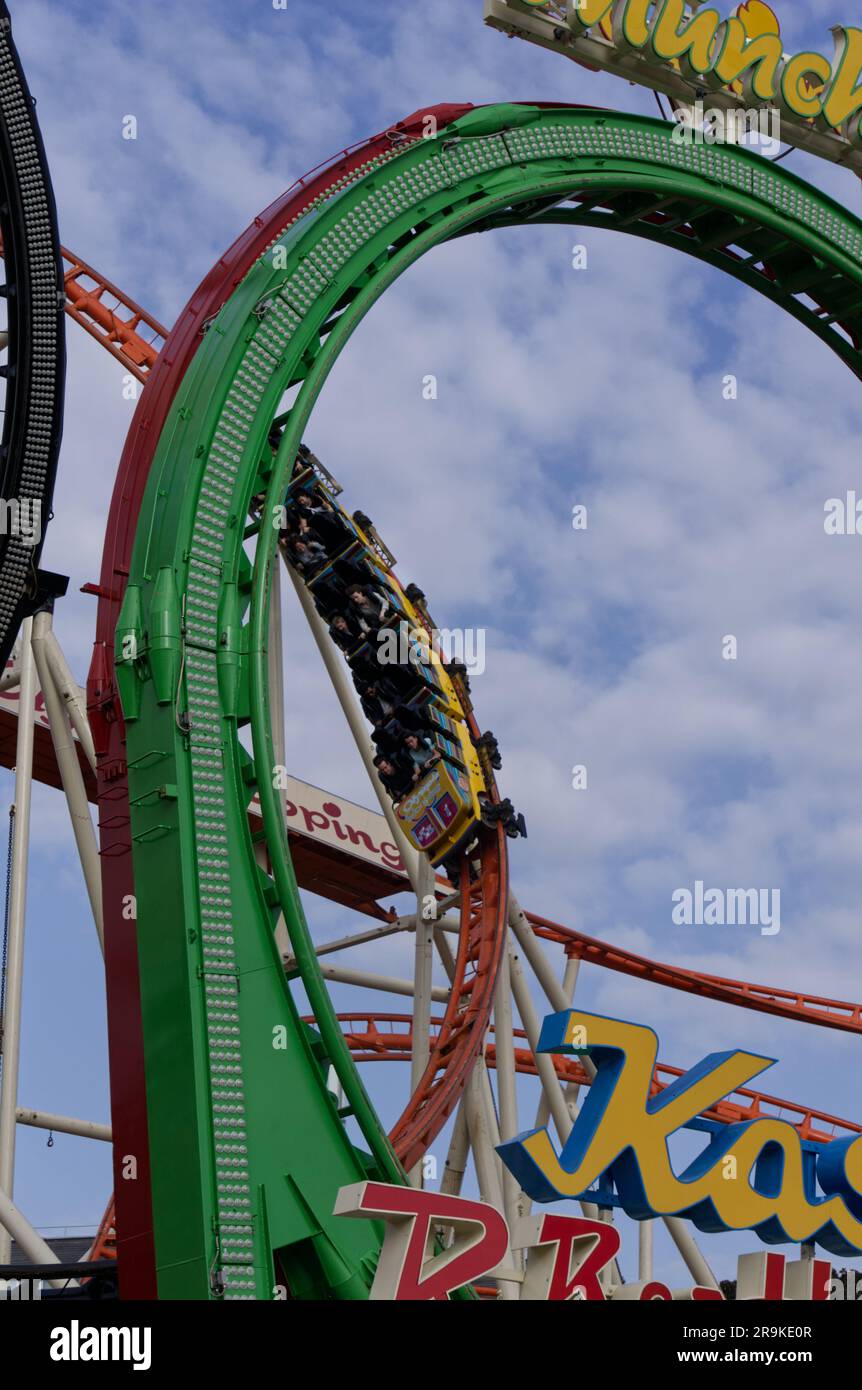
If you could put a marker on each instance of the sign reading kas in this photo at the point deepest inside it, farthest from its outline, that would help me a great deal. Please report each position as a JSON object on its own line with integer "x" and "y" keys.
{"x": 757, "y": 1175}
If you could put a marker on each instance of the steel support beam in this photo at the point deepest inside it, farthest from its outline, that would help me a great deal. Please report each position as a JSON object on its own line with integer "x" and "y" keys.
{"x": 386, "y": 984}
{"x": 70, "y": 774}
{"x": 17, "y": 916}
{"x": 67, "y": 688}
{"x": 63, "y": 1124}
{"x": 337, "y": 672}
{"x": 15, "y": 1226}
{"x": 541, "y": 966}
{"x": 504, "y": 1043}
{"x": 423, "y": 964}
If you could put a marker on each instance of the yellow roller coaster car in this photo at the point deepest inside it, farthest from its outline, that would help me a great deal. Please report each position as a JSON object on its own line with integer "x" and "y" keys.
{"x": 441, "y": 787}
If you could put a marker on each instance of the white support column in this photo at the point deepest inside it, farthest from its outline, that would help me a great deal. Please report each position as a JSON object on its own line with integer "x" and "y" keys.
{"x": 482, "y": 1122}
{"x": 536, "y": 958}
{"x": 70, "y": 774}
{"x": 456, "y": 1165}
{"x": 456, "y": 1159}
{"x": 504, "y": 1044}
{"x": 560, "y": 1104}
{"x": 419, "y": 871}
{"x": 67, "y": 688}
{"x": 444, "y": 950}
{"x": 337, "y": 672}
{"x": 17, "y": 913}
{"x": 385, "y": 983}
{"x": 572, "y": 1090}
{"x": 646, "y": 1231}
{"x": 688, "y": 1248}
{"x": 63, "y": 1124}
{"x": 559, "y": 1110}
{"x": 484, "y": 1137}
{"x": 15, "y": 1226}
{"x": 426, "y": 914}
{"x": 553, "y": 990}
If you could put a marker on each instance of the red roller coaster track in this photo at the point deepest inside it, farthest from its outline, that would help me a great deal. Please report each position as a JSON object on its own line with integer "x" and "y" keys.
{"x": 128, "y": 1093}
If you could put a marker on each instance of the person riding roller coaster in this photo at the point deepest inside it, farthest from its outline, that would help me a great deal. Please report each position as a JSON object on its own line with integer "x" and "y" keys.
{"x": 420, "y": 752}
{"x": 343, "y": 582}
{"x": 382, "y": 707}
{"x": 344, "y": 633}
{"x": 379, "y": 702}
{"x": 368, "y": 606}
{"x": 396, "y": 778}
{"x": 308, "y": 555}
{"x": 320, "y": 522}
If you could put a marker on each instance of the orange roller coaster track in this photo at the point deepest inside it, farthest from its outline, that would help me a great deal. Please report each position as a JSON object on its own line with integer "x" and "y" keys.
{"x": 126, "y": 330}
{"x": 386, "y": 1037}
{"x": 783, "y": 1003}
{"x": 131, "y": 335}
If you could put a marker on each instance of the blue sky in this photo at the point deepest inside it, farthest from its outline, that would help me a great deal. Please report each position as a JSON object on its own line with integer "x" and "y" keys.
{"x": 556, "y": 387}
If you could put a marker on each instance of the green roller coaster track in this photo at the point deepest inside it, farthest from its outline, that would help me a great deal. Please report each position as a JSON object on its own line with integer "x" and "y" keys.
{"x": 248, "y": 1147}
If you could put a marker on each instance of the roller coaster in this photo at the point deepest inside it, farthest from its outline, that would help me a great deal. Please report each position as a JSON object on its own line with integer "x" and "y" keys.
{"x": 242, "y": 1143}
{"x": 34, "y": 369}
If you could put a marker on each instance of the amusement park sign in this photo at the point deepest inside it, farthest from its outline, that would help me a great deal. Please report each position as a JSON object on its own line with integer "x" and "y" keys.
{"x": 756, "y": 1175}
{"x": 569, "y": 1258}
{"x": 685, "y": 49}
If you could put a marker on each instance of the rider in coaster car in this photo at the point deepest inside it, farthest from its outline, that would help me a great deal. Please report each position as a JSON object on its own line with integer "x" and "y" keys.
{"x": 395, "y": 777}
{"x": 320, "y": 521}
{"x": 415, "y": 721}
{"x": 308, "y": 555}
{"x": 368, "y": 605}
{"x": 421, "y": 753}
{"x": 381, "y": 704}
{"x": 383, "y": 664}
{"x": 378, "y": 703}
{"x": 343, "y": 633}
{"x": 352, "y": 572}
{"x": 389, "y": 740}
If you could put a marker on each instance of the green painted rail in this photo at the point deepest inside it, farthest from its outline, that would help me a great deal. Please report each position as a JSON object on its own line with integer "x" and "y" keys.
{"x": 248, "y": 1150}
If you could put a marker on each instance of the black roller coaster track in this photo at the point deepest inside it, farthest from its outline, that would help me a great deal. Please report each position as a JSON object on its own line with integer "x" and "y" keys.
{"x": 34, "y": 365}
